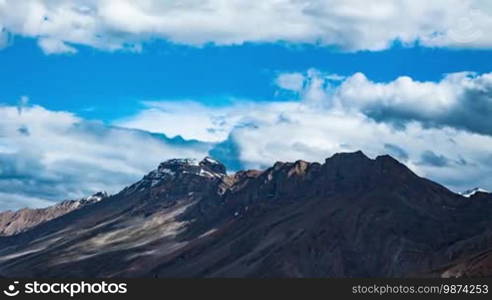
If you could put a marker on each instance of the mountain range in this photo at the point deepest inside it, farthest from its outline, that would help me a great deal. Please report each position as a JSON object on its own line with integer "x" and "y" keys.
{"x": 350, "y": 216}
{"x": 14, "y": 222}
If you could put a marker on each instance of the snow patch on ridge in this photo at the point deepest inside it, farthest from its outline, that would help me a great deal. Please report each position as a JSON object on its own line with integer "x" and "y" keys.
{"x": 470, "y": 193}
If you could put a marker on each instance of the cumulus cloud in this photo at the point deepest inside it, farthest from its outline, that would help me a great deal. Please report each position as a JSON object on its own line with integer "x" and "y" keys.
{"x": 193, "y": 120}
{"x": 460, "y": 100}
{"x": 433, "y": 136}
{"x": 48, "y": 156}
{"x": 290, "y": 81}
{"x": 54, "y": 46}
{"x": 347, "y": 24}
{"x": 441, "y": 130}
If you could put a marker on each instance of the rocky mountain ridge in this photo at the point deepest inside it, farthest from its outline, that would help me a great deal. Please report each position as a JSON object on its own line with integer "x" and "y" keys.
{"x": 14, "y": 222}
{"x": 350, "y": 216}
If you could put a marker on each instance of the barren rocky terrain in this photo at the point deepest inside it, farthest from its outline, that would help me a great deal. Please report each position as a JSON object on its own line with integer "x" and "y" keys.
{"x": 351, "y": 216}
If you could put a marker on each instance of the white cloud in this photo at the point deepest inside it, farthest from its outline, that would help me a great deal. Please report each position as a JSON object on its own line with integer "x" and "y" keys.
{"x": 439, "y": 129}
{"x": 11, "y": 201}
{"x": 188, "y": 119}
{"x": 405, "y": 94}
{"x": 348, "y": 24}
{"x": 290, "y": 81}
{"x": 433, "y": 134}
{"x": 460, "y": 100}
{"x": 54, "y": 46}
{"x": 193, "y": 120}
{"x": 335, "y": 77}
{"x": 50, "y": 156}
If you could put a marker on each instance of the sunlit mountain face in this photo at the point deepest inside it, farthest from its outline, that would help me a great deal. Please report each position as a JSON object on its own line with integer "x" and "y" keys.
{"x": 123, "y": 100}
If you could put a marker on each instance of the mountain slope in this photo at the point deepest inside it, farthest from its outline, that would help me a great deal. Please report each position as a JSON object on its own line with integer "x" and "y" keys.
{"x": 350, "y": 216}
{"x": 14, "y": 222}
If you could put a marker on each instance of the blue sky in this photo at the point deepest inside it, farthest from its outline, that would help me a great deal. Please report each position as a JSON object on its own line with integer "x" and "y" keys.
{"x": 109, "y": 85}
{"x": 94, "y": 94}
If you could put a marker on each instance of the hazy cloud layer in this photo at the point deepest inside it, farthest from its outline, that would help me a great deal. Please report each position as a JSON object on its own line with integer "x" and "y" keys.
{"x": 51, "y": 156}
{"x": 351, "y": 25}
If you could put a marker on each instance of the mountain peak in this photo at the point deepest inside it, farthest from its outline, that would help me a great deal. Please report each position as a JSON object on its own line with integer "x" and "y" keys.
{"x": 176, "y": 167}
{"x": 187, "y": 164}
{"x": 349, "y": 156}
{"x": 178, "y": 162}
{"x": 347, "y": 162}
